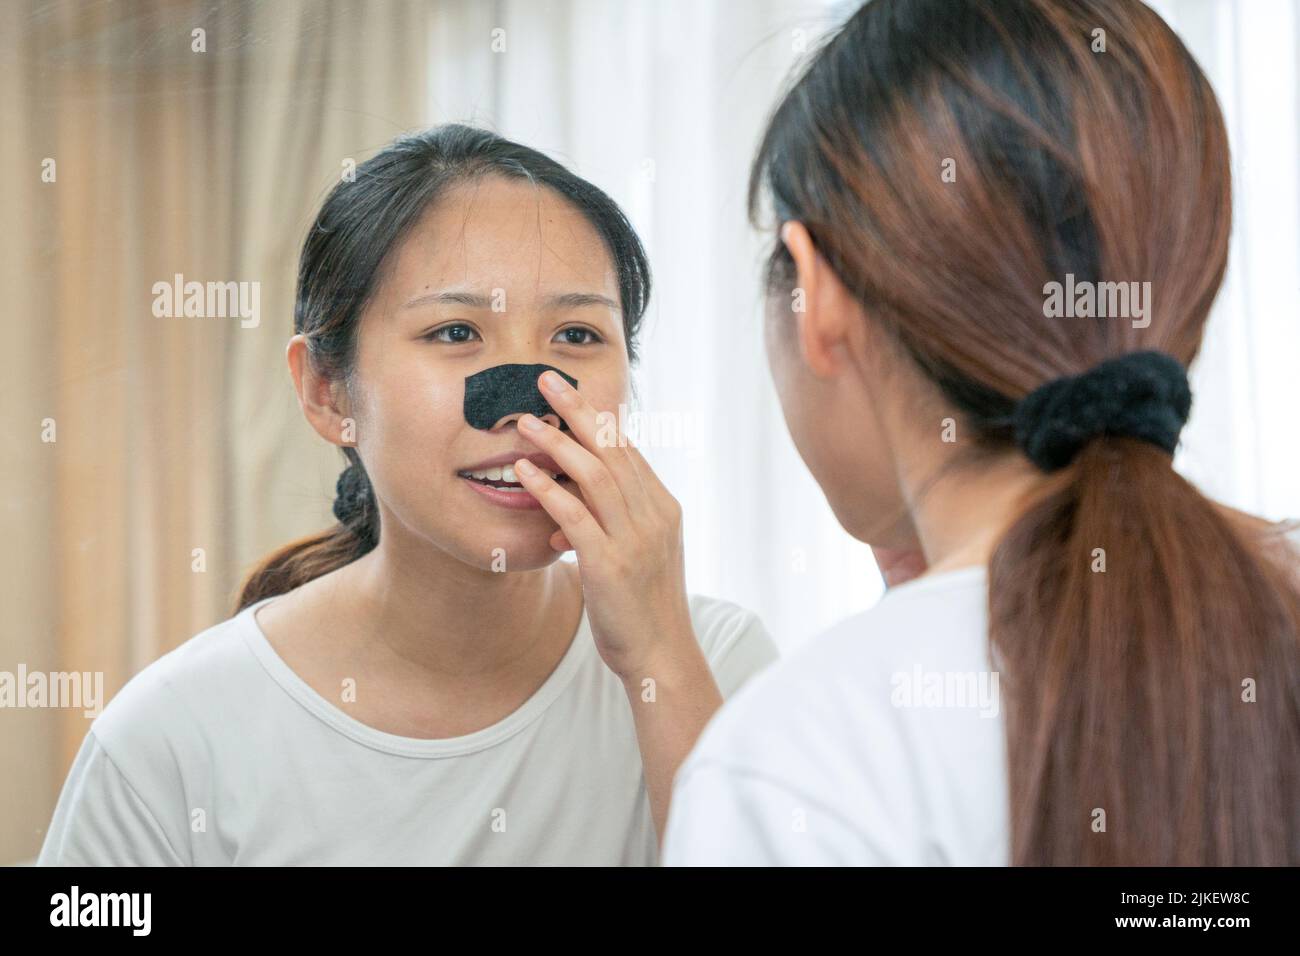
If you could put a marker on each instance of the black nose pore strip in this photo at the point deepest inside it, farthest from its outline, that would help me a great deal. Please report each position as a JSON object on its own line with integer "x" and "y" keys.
{"x": 494, "y": 393}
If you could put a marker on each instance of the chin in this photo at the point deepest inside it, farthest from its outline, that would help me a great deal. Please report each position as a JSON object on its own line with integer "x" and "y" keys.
{"x": 514, "y": 549}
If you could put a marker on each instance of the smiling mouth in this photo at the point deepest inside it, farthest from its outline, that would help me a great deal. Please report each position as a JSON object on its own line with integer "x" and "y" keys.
{"x": 505, "y": 479}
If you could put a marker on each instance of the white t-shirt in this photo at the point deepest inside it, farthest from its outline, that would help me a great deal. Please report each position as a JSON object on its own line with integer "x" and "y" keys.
{"x": 842, "y": 755}
{"x": 218, "y": 753}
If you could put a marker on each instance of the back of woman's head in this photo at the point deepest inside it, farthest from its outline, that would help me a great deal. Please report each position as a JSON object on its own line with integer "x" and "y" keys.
{"x": 356, "y": 233}
{"x": 952, "y": 160}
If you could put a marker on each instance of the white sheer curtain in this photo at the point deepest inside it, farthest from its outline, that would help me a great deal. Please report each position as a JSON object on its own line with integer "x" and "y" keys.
{"x": 661, "y": 103}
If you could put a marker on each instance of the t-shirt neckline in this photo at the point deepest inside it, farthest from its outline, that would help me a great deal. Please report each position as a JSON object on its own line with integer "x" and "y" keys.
{"x": 349, "y": 726}
{"x": 953, "y": 577}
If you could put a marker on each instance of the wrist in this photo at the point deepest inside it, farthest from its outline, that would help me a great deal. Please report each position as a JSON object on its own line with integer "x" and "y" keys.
{"x": 675, "y": 659}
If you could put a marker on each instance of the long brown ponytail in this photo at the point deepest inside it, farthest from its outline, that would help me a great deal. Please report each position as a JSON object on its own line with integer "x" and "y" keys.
{"x": 1080, "y": 139}
{"x": 360, "y": 222}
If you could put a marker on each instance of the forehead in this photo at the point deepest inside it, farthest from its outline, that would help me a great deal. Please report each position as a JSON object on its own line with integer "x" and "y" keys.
{"x": 493, "y": 232}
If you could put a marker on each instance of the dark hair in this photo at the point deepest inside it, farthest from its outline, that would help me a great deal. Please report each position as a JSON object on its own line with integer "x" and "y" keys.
{"x": 1122, "y": 690}
{"x": 360, "y": 223}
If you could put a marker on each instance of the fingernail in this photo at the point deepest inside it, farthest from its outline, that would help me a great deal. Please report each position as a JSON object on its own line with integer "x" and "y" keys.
{"x": 554, "y": 382}
{"x": 532, "y": 423}
{"x": 525, "y": 467}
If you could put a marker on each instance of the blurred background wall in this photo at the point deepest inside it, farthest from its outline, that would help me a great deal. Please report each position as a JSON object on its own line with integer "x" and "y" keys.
{"x": 177, "y": 434}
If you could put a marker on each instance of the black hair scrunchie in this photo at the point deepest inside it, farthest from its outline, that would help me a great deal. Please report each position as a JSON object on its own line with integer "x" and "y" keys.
{"x": 1142, "y": 395}
{"x": 351, "y": 493}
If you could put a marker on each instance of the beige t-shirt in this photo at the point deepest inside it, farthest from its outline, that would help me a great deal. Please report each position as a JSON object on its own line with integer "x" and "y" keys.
{"x": 218, "y": 753}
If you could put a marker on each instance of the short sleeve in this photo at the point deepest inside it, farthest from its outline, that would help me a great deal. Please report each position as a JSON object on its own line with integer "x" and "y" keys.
{"x": 744, "y": 652}
{"x": 100, "y": 820}
{"x": 730, "y": 816}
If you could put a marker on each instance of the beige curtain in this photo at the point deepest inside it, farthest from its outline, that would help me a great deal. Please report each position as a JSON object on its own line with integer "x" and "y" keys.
{"x": 170, "y": 434}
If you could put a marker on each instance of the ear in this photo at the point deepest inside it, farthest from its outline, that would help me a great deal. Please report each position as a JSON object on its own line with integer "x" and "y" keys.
{"x": 827, "y": 305}
{"x": 322, "y": 400}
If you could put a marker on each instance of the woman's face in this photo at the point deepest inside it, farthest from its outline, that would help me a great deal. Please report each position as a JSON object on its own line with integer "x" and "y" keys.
{"x": 836, "y": 396}
{"x": 496, "y": 272}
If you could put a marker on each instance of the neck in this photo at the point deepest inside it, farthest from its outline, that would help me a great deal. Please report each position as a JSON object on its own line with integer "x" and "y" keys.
{"x": 452, "y": 620}
{"x": 961, "y": 512}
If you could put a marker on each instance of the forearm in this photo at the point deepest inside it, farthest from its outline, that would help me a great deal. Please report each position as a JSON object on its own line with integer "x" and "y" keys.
{"x": 671, "y": 702}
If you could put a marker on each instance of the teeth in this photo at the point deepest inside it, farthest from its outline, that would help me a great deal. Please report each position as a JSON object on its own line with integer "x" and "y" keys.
{"x": 506, "y": 473}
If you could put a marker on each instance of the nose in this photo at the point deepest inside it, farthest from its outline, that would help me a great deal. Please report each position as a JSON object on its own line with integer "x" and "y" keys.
{"x": 550, "y": 418}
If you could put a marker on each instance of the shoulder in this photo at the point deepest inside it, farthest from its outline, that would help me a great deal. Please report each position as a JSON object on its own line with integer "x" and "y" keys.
{"x": 850, "y": 665}
{"x": 161, "y": 713}
{"x": 104, "y": 818}
{"x": 145, "y": 761}
{"x": 734, "y": 641}
{"x": 826, "y": 722}
{"x": 719, "y": 624}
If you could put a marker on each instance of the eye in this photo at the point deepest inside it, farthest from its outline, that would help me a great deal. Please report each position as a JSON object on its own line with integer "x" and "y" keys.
{"x": 452, "y": 334}
{"x": 573, "y": 335}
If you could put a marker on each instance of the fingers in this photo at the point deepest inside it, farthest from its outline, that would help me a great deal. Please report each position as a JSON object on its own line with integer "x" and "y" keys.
{"x": 575, "y": 520}
{"x": 596, "y": 433}
{"x": 649, "y": 479}
{"x": 599, "y": 488}
{"x": 654, "y": 497}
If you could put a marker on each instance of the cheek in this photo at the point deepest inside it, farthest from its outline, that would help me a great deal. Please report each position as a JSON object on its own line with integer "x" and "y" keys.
{"x": 816, "y": 413}
{"x": 410, "y": 411}
{"x": 793, "y": 385}
{"x": 781, "y": 342}
{"x": 605, "y": 389}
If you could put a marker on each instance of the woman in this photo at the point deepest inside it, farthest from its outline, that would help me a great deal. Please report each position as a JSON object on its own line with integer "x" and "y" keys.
{"x": 1099, "y": 666}
{"x": 425, "y": 682}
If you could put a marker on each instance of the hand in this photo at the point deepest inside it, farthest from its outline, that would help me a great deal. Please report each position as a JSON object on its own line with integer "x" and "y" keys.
{"x": 626, "y": 530}
{"x": 899, "y": 564}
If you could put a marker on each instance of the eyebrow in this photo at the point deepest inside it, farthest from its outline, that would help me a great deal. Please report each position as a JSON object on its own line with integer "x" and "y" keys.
{"x": 473, "y": 300}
